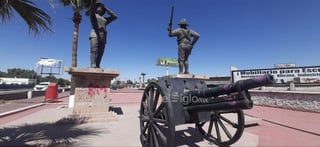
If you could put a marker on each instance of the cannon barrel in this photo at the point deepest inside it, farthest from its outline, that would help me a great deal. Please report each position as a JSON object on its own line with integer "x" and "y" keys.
{"x": 233, "y": 87}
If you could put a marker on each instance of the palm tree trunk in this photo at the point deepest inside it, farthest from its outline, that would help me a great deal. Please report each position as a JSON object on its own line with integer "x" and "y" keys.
{"x": 76, "y": 19}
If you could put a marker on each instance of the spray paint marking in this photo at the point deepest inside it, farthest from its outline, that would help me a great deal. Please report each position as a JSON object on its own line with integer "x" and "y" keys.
{"x": 94, "y": 90}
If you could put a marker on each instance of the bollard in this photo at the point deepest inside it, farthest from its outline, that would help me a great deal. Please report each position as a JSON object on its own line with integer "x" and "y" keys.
{"x": 292, "y": 86}
{"x": 29, "y": 94}
{"x": 71, "y": 101}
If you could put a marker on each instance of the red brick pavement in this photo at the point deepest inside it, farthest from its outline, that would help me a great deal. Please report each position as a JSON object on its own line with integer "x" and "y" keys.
{"x": 278, "y": 127}
{"x": 8, "y": 118}
{"x": 282, "y": 127}
{"x": 118, "y": 97}
{"x": 20, "y": 103}
{"x": 125, "y": 98}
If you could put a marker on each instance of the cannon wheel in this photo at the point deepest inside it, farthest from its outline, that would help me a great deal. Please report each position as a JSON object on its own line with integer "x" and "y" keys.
{"x": 156, "y": 118}
{"x": 227, "y": 131}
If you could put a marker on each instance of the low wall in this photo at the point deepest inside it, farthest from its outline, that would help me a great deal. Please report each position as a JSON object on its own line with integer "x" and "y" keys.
{"x": 295, "y": 100}
{"x": 23, "y": 94}
{"x": 14, "y": 95}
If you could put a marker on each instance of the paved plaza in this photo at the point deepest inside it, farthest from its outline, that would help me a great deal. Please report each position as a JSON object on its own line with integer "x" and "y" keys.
{"x": 46, "y": 124}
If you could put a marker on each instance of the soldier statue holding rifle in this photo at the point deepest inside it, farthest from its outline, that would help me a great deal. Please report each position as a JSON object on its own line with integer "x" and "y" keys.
{"x": 186, "y": 39}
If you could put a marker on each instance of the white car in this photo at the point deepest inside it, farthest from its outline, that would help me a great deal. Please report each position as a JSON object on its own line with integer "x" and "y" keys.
{"x": 43, "y": 86}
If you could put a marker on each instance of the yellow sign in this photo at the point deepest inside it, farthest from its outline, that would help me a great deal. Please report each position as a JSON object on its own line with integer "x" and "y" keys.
{"x": 167, "y": 62}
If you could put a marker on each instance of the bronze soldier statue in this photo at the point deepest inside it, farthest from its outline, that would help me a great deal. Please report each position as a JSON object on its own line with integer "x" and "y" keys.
{"x": 186, "y": 39}
{"x": 98, "y": 34}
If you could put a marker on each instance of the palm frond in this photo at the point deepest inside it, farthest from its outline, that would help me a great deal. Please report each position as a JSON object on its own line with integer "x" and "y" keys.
{"x": 5, "y": 10}
{"x": 78, "y": 5}
{"x": 65, "y": 2}
{"x": 36, "y": 19}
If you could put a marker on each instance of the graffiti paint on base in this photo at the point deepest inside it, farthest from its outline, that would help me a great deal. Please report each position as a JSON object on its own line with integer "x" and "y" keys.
{"x": 94, "y": 90}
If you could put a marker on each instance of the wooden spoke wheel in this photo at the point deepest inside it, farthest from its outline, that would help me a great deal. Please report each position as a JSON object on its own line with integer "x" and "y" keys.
{"x": 224, "y": 127}
{"x": 156, "y": 118}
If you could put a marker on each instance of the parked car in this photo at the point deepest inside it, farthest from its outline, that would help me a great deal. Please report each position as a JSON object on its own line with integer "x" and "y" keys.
{"x": 43, "y": 86}
{"x": 117, "y": 85}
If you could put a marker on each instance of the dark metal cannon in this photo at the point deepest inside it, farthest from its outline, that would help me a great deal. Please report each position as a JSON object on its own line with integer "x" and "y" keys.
{"x": 174, "y": 101}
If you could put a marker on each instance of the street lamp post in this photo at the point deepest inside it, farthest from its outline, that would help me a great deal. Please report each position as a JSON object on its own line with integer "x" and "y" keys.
{"x": 143, "y": 74}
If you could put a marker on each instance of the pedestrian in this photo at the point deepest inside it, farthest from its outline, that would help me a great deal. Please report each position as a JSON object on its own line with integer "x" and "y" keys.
{"x": 186, "y": 39}
{"x": 98, "y": 34}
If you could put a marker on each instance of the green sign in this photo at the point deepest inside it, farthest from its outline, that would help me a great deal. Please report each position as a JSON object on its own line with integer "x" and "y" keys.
{"x": 167, "y": 62}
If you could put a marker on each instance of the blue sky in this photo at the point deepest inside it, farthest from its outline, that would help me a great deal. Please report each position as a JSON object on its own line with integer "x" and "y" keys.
{"x": 242, "y": 33}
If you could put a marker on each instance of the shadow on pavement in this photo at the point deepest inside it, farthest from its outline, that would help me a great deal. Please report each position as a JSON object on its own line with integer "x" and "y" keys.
{"x": 117, "y": 110}
{"x": 60, "y": 133}
{"x": 189, "y": 136}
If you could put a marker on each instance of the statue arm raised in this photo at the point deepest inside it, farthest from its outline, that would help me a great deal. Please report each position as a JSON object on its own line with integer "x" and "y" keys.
{"x": 112, "y": 16}
{"x": 92, "y": 12}
{"x": 173, "y": 33}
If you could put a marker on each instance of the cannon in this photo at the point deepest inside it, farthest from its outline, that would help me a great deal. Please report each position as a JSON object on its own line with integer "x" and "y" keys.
{"x": 216, "y": 112}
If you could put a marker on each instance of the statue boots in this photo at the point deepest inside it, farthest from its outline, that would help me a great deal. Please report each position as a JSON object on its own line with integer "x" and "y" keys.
{"x": 93, "y": 59}
{"x": 180, "y": 67}
{"x": 186, "y": 67}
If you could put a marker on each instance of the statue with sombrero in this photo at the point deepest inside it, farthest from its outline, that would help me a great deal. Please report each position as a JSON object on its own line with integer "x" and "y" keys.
{"x": 186, "y": 39}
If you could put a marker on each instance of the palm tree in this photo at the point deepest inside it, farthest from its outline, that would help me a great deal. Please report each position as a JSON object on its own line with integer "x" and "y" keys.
{"x": 36, "y": 19}
{"x": 77, "y": 6}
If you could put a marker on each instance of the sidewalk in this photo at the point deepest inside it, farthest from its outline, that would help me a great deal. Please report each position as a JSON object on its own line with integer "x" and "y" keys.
{"x": 43, "y": 128}
{"x": 282, "y": 127}
{"x": 10, "y": 105}
{"x": 46, "y": 125}
{"x": 18, "y": 110}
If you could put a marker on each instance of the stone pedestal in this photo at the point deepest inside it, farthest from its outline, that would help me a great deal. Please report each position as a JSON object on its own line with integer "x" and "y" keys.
{"x": 92, "y": 88}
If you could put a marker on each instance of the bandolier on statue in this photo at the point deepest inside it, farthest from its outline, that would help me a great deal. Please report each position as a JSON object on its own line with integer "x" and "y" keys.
{"x": 186, "y": 39}
{"x": 98, "y": 35}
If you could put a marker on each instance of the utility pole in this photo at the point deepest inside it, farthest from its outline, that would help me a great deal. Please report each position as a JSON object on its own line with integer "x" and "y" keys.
{"x": 143, "y": 74}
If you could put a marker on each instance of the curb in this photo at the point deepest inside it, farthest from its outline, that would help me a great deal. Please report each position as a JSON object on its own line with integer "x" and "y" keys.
{"x": 20, "y": 109}
{"x": 25, "y": 108}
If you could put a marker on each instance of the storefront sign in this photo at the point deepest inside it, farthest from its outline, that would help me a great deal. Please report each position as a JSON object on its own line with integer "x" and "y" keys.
{"x": 307, "y": 74}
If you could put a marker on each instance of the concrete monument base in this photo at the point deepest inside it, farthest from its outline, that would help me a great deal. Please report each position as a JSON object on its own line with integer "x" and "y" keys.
{"x": 92, "y": 88}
